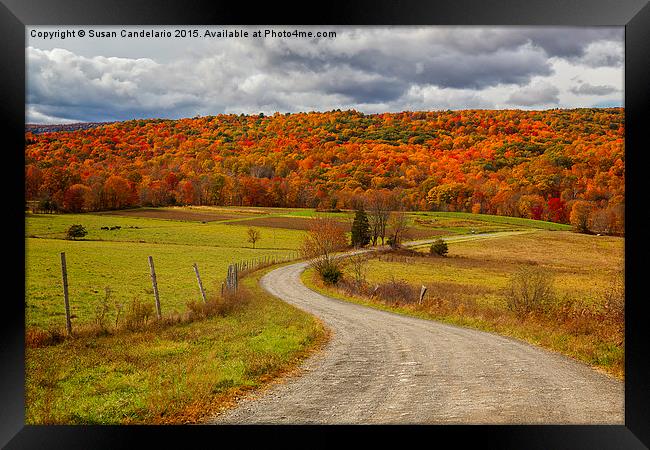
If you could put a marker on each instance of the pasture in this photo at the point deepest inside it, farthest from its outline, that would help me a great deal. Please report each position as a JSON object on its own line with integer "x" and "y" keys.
{"x": 581, "y": 266}
{"x": 184, "y": 372}
{"x": 114, "y": 252}
{"x": 117, "y": 259}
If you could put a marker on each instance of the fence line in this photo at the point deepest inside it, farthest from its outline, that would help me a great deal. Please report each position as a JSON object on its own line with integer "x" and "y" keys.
{"x": 241, "y": 268}
{"x": 235, "y": 271}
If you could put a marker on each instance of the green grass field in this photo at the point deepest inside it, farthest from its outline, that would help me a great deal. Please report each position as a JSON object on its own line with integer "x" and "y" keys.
{"x": 158, "y": 231}
{"x": 484, "y": 221}
{"x": 178, "y": 374}
{"x": 119, "y": 259}
{"x": 177, "y": 237}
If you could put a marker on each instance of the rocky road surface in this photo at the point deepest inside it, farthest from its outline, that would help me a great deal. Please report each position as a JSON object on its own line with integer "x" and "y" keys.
{"x": 385, "y": 368}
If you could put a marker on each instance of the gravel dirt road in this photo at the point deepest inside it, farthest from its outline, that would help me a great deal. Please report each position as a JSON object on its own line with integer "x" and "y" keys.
{"x": 385, "y": 368}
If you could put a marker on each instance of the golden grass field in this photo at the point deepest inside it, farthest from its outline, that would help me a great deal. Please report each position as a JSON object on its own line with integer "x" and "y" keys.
{"x": 468, "y": 288}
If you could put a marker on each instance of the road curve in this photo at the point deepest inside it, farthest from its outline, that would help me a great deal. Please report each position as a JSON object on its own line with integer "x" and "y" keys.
{"x": 385, "y": 368}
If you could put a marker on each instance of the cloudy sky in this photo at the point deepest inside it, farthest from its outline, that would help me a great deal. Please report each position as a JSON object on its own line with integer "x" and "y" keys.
{"x": 370, "y": 69}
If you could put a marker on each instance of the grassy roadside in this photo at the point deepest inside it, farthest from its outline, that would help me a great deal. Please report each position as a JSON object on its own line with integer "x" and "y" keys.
{"x": 602, "y": 356}
{"x": 456, "y": 279}
{"x": 180, "y": 374}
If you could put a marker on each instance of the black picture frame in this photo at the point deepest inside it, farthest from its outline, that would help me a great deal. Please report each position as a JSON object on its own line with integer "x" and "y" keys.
{"x": 634, "y": 15}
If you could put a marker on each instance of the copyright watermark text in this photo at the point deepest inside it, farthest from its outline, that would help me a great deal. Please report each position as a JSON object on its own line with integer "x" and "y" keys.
{"x": 179, "y": 33}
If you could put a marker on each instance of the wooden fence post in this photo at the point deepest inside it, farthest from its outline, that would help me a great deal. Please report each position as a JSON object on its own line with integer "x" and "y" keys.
{"x": 155, "y": 287}
{"x": 64, "y": 275}
{"x": 423, "y": 291}
{"x": 198, "y": 277}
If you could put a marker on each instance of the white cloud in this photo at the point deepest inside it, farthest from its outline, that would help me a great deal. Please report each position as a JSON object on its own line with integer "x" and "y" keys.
{"x": 34, "y": 116}
{"x": 603, "y": 53}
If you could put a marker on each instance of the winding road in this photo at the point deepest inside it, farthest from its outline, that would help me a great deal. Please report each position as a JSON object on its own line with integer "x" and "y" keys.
{"x": 385, "y": 368}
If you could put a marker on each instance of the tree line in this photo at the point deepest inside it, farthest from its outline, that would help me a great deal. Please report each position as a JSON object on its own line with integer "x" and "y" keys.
{"x": 545, "y": 165}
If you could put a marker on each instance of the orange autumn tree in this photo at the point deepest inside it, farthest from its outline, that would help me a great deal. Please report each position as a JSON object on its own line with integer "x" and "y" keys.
{"x": 117, "y": 192}
{"x": 533, "y": 164}
{"x": 75, "y": 198}
{"x": 324, "y": 238}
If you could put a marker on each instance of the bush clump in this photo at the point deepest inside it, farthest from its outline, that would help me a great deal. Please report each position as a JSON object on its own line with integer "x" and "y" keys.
{"x": 76, "y": 231}
{"x": 392, "y": 291}
{"x": 439, "y": 247}
{"x": 530, "y": 290}
{"x": 331, "y": 273}
{"x": 36, "y": 337}
{"x": 137, "y": 315}
{"x": 220, "y": 305}
{"x": 397, "y": 291}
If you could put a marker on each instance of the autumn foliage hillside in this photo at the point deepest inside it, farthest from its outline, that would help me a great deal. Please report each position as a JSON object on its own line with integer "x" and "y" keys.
{"x": 558, "y": 165}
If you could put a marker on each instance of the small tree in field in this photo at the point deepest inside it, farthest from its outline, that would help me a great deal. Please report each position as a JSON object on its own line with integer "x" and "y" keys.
{"x": 397, "y": 226}
{"x": 379, "y": 204}
{"x": 325, "y": 237}
{"x": 76, "y": 231}
{"x": 358, "y": 267}
{"x": 439, "y": 247}
{"x": 253, "y": 236}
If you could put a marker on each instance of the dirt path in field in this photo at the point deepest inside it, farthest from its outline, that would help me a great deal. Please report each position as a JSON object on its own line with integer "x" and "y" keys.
{"x": 381, "y": 367}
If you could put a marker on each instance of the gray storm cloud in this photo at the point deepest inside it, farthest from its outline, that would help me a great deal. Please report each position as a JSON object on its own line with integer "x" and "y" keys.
{"x": 537, "y": 94}
{"x": 589, "y": 89}
{"x": 367, "y": 68}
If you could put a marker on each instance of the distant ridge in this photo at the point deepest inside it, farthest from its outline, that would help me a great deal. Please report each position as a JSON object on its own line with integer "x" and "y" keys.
{"x": 41, "y": 128}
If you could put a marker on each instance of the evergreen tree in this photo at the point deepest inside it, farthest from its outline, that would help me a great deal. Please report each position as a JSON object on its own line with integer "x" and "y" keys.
{"x": 439, "y": 247}
{"x": 360, "y": 229}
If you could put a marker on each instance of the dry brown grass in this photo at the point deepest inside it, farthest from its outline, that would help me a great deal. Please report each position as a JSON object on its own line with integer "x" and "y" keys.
{"x": 581, "y": 315}
{"x": 290, "y": 223}
{"x": 560, "y": 249}
{"x": 36, "y": 337}
{"x": 182, "y": 214}
{"x": 218, "y": 305}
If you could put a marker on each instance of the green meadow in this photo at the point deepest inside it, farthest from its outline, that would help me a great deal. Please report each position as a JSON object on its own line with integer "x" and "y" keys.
{"x": 118, "y": 259}
{"x": 178, "y": 374}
